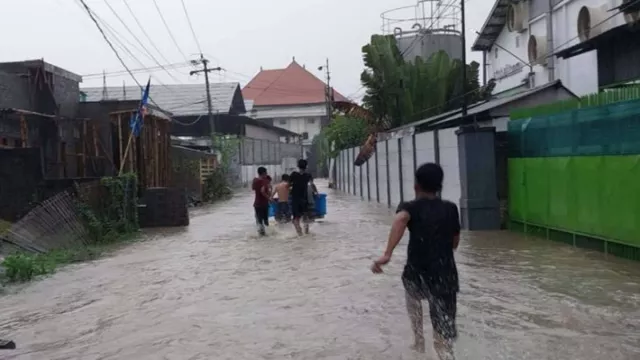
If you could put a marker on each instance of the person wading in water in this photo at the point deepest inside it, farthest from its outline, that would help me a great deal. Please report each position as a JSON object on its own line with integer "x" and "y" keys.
{"x": 261, "y": 202}
{"x": 300, "y": 196}
{"x": 430, "y": 273}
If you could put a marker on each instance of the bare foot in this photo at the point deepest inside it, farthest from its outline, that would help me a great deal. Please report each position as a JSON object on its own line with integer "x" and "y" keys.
{"x": 418, "y": 346}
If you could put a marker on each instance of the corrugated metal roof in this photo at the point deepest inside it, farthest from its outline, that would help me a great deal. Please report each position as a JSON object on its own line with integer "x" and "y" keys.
{"x": 180, "y": 100}
{"x": 492, "y": 26}
{"x": 480, "y": 107}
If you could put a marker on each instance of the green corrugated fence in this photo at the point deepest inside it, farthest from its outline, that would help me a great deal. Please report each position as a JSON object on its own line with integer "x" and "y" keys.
{"x": 575, "y": 177}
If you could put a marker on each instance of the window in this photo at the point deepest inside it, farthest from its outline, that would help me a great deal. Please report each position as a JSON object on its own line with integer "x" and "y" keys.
{"x": 311, "y": 120}
{"x": 282, "y": 121}
{"x": 305, "y": 136}
{"x": 495, "y": 53}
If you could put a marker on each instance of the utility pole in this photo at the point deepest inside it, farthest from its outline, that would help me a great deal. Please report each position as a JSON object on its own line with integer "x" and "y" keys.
{"x": 206, "y": 71}
{"x": 328, "y": 93}
{"x": 464, "y": 60}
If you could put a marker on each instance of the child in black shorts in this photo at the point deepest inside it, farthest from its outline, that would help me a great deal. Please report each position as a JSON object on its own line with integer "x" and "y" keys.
{"x": 430, "y": 273}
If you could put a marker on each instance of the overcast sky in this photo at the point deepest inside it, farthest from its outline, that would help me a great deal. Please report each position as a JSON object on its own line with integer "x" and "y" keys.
{"x": 240, "y": 36}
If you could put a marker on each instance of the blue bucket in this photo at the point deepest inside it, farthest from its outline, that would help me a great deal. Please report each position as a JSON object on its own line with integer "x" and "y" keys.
{"x": 321, "y": 206}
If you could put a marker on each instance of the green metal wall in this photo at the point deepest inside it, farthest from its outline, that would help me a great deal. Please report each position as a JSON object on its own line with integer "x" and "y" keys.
{"x": 578, "y": 173}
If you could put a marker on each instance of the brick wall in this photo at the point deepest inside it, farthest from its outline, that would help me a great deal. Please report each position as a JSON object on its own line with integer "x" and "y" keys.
{"x": 14, "y": 92}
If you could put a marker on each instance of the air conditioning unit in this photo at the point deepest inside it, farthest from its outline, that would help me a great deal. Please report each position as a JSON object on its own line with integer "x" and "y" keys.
{"x": 592, "y": 21}
{"x": 537, "y": 50}
{"x": 518, "y": 16}
{"x": 631, "y": 11}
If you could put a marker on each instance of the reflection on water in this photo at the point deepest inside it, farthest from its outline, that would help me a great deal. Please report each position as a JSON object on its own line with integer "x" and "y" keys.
{"x": 217, "y": 291}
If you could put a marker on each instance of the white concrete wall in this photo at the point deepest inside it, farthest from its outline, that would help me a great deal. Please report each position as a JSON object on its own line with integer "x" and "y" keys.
{"x": 407, "y": 168}
{"x": 382, "y": 172}
{"x": 579, "y": 74}
{"x": 424, "y": 151}
{"x": 256, "y": 132}
{"x": 394, "y": 173}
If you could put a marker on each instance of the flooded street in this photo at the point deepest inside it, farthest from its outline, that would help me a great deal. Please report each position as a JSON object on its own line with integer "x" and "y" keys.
{"x": 217, "y": 291}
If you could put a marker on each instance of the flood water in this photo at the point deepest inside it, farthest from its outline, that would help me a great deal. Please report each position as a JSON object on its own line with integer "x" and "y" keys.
{"x": 217, "y": 291}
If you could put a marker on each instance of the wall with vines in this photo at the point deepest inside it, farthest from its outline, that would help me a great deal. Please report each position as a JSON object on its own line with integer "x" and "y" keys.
{"x": 110, "y": 207}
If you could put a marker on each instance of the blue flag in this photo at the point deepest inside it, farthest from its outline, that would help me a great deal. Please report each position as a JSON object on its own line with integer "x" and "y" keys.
{"x": 136, "y": 119}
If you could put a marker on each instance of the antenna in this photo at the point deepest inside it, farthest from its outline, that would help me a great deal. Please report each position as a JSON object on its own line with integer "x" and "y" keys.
{"x": 105, "y": 94}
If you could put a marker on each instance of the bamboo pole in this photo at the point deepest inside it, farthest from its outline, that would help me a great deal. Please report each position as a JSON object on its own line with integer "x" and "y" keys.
{"x": 84, "y": 149}
{"x": 95, "y": 139}
{"x": 120, "y": 138}
{"x": 24, "y": 131}
{"x": 126, "y": 152}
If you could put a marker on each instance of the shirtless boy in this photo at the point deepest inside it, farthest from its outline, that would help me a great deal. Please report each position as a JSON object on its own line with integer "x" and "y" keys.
{"x": 282, "y": 190}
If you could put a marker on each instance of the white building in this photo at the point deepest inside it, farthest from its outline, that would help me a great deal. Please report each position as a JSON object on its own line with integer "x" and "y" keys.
{"x": 519, "y": 41}
{"x": 291, "y": 98}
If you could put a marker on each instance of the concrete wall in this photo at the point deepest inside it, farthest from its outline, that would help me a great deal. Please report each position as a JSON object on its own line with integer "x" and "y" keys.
{"x": 14, "y": 92}
{"x": 579, "y": 74}
{"x": 256, "y": 132}
{"x": 387, "y": 177}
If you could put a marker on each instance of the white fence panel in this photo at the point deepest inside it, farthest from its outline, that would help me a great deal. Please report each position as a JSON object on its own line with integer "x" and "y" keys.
{"x": 382, "y": 172}
{"x": 373, "y": 185}
{"x": 407, "y": 168}
{"x": 425, "y": 150}
{"x": 449, "y": 161}
{"x": 394, "y": 173}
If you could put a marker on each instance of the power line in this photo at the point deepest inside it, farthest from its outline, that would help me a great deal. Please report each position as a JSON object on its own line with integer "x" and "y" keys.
{"x": 143, "y": 69}
{"x": 144, "y": 31}
{"x": 549, "y": 53}
{"x": 186, "y": 13}
{"x": 138, "y": 40}
{"x": 89, "y": 12}
{"x": 155, "y": 3}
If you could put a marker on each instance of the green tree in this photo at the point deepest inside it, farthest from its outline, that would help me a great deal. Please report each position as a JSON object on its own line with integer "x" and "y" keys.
{"x": 399, "y": 92}
{"x": 342, "y": 133}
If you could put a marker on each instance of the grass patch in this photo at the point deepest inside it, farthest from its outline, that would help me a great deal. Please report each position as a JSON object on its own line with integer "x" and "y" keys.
{"x": 23, "y": 266}
{"x": 4, "y": 226}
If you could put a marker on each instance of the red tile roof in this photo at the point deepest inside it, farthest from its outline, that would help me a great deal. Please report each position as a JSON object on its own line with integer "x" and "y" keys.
{"x": 291, "y": 86}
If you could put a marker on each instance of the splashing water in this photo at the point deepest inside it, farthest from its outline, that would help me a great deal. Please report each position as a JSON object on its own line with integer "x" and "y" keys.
{"x": 215, "y": 290}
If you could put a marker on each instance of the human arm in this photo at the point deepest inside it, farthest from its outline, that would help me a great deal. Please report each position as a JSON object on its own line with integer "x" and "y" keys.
{"x": 455, "y": 224}
{"x": 398, "y": 228}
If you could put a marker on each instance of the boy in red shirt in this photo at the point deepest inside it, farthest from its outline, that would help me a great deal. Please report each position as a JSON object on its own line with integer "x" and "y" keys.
{"x": 261, "y": 187}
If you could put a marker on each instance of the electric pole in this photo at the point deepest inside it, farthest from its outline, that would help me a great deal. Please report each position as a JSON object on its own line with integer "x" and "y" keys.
{"x": 206, "y": 71}
{"x": 328, "y": 93}
{"x": 464, "y": 60}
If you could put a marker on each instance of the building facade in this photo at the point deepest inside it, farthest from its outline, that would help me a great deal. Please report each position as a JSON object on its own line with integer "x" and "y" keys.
{"x": 291, "y": 98}
{"x": 520, "y": 42}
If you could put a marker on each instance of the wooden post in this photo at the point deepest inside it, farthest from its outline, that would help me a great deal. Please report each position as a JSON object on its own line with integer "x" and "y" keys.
{"x": 120, "y": 147}
{"x": 24, "y": 131}
{"x": 156, "y": 151}
{"x": 95, "y": 140}
{"x": 84, "y": 149}
{"x": 126, "y": 153}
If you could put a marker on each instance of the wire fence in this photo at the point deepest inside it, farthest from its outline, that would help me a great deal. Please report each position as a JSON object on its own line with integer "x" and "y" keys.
{"x": 267, "y": 152}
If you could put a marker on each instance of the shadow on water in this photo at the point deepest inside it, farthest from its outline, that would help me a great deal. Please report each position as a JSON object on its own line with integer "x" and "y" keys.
{"x": 215, "y": 290}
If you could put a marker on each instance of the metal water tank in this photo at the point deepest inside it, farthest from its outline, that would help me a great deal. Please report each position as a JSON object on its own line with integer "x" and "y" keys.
{"x": 425, "y": 28}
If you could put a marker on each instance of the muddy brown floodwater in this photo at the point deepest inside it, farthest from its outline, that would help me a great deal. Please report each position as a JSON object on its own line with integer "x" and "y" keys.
{"x": 217, "y": 291}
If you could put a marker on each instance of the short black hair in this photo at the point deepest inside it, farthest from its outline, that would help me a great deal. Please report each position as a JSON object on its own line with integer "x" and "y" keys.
{"x": 429, "y": 177}
{"x": 302, "y": 164}
{"x": 285, "y": 177}
{"x": 268, "y": 178}
{"x": 262, "y": 170}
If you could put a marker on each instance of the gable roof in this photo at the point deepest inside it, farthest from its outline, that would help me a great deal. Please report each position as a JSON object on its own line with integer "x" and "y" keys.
{"x": 482, "y": 106}
{"x": 492, "y": 27}
{"x": 179, "y": 99}
{"x": 293, "y": 85}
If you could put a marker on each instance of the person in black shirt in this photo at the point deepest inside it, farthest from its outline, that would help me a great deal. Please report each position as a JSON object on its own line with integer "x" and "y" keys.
{"x": 300, "y": 196}
{"x": 430, "y": 272}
